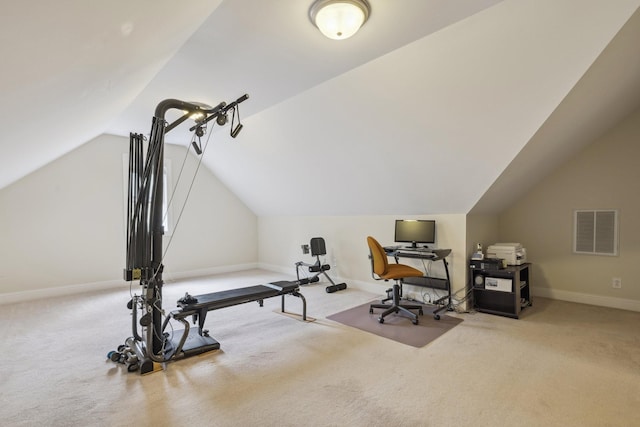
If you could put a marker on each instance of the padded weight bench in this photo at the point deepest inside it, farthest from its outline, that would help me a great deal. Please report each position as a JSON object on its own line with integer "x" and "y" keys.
{"x": 192, "y": 342}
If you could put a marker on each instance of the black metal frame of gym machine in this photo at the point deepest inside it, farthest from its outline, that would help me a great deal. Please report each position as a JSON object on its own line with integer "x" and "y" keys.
{"x": 145, "y": 229}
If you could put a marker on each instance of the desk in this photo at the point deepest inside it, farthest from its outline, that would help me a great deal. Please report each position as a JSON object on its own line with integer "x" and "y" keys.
{"x": 425, "y": 281}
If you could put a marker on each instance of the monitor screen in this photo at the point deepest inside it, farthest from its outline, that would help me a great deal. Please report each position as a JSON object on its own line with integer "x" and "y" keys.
{"x": 415, "y": 231}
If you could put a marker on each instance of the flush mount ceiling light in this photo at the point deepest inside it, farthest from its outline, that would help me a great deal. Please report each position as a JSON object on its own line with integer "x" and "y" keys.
{"x": 339, "y": 19}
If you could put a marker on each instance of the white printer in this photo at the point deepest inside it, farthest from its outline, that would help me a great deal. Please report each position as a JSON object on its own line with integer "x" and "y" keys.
{"x": 512, "y": 253}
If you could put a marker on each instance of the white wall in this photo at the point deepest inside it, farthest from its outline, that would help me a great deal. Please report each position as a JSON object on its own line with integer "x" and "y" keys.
{"x": 280, "y": 238}
{"x": 64, "y": 224}
{"x": 217, "y": 232}
{"x": 603, "y": 176}
{"x": 481, "y": 229}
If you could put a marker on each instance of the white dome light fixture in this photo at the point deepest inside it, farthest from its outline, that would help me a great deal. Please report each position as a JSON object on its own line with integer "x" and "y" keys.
{"x": 339, "y": 19}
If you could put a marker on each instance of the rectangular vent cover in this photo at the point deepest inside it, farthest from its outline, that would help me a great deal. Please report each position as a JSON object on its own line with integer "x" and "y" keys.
{"x": 595, "y": 232}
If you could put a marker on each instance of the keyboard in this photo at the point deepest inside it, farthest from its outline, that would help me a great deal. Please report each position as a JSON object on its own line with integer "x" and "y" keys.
{"x": 412, "y": 249}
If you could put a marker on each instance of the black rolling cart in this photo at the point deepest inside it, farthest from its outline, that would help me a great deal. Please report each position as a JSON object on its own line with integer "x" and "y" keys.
{"x": 504, "y": 291}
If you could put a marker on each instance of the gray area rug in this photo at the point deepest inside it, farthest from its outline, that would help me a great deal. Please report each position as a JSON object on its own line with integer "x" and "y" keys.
{"x": 397, "y": 327}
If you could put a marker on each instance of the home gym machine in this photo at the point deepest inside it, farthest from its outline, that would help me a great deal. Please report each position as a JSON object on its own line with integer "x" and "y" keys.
{"x": 150, "y": 346}
{"x": 318, "y": 248}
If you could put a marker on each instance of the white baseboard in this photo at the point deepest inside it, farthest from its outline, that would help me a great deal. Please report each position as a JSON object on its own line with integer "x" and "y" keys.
{"x": 14, "y": 297}
{"x": 289, "y": 271}
{"x": 376, "y": 288}
{"x": 356, "y": 284}
{"x": 170, "y": 276}
{"x": 621, "y": 303}
{"x": 58, "y": 291}
{"x": 379, "y": 288}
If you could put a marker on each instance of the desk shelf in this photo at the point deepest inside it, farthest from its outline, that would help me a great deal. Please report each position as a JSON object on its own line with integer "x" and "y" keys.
{"x": 443, "y": 303}
{"x": 502, "y": 303}
{"x": 427, "y": 282}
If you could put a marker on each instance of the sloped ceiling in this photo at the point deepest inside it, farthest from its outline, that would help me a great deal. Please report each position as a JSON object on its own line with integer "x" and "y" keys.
{"x": 70, "y": 67}
{"x": 419, "y": 113}
{"x": 603, "y": 97}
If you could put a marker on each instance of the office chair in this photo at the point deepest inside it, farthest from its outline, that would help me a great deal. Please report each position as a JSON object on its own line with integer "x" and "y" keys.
{"x": 382, "y": 270}
{"x": 318, "y": 248}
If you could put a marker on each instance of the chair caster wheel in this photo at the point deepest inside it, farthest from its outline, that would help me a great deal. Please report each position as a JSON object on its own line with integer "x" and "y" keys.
{"x": 415, "y": 322}
{"x": 420, "y": 312}
{"x": 371, "y": 311}
{"x": 381, "y": 320}
{"x": 437, "y": 317}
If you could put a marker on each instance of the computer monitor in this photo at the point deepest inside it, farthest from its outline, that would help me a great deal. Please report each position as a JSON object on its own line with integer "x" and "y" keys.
{"x": 415, "y": 231}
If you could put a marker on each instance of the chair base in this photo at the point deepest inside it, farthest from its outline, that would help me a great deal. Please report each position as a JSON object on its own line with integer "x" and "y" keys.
{"x": 397, "y": 307}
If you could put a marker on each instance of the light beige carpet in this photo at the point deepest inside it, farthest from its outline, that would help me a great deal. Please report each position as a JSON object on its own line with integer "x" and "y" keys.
{"x": 561, "y": 364}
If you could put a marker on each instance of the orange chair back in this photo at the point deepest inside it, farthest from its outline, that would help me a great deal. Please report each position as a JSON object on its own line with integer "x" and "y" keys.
{"x": 378, "y": 257}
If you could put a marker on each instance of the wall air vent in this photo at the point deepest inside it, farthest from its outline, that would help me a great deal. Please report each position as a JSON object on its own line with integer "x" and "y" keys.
{"x": 595, "y": 232}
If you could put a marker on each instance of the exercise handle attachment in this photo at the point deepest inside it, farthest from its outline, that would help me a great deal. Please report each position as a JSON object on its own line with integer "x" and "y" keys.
{"x": 237, "y": 101}
{"x": 220, "y": 110}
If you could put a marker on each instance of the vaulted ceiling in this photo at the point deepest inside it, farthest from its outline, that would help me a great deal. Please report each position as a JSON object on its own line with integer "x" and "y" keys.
{"x": 433, "y": 107}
